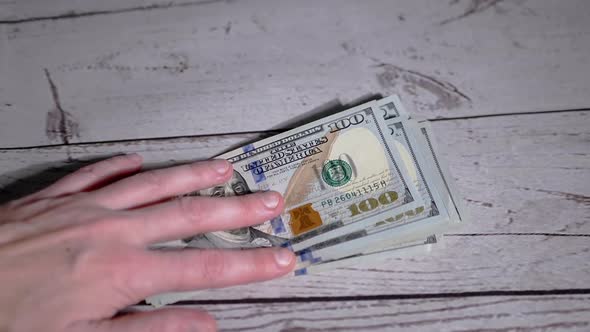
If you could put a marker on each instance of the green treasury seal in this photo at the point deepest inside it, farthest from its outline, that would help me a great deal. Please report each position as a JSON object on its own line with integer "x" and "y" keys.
{"x": 336, "y": 173}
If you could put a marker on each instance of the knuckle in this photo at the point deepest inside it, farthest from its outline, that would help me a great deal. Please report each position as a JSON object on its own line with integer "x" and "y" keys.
{"x": 87, "y": 232}
{"x": 131, "y": 273}
{"x": 92, "y": 171}
{"x": 213, "y": 266}
{"x": 198, "y": 173}
{"x": 83, "y": 261}
{"x": 99, "y": 225}
{"x": 246, "y": 206}
{"x": 74, "y": 198}
{"x": 126, "y": 283}
{"x": 87, "y": 260}
{"x": 201, "y": 172}
{"x": 90, "y": 250}
{"x": 190, "y": 209}
{"x": 152, "y": 178}
{"x": 247, "y": 203}
{"x": 69, "y": 201}
{"x": 196, "y": 168}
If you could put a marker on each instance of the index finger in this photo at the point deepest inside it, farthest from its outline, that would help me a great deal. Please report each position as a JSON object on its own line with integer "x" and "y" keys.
{"x": 157, "y": 185}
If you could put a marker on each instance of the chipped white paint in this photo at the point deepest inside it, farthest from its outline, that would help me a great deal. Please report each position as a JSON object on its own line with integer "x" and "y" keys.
{"x": 227, "y": 66}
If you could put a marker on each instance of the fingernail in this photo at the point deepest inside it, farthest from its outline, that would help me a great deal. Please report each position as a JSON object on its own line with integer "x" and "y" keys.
{"x": 283, "y": 257}
{"x": 270, "y": 199}
{"x": 220, "y": 166}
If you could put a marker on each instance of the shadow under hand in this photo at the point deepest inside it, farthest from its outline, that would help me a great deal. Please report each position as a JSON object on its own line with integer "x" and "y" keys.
{"x": 35, "y": 177}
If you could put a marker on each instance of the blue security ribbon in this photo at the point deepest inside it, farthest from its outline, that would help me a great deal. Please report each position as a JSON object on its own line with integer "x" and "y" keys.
{"x": 255, "y": 167}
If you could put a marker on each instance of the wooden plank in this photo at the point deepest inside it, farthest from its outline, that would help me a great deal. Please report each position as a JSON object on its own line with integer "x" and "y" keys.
{"x": 252, "y": 65}
{"x": 524, "y": 173}
{"x": 485, "y": 314}
{"x": 464, "y": 264}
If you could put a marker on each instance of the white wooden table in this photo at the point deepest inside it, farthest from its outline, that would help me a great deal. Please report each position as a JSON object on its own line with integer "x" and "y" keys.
{"x": 506, "y": 84}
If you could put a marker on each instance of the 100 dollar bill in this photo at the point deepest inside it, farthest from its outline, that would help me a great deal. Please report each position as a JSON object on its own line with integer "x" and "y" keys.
{"x": 391, "y": 229}
{"x": 414, "y": 163}
{"x": 387, "y": 244}
{"x": 371, "y": 255}
{"x": 332, "y": 173}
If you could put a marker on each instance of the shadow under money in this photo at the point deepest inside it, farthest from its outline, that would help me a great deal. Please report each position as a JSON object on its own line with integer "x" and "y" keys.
{"x": 326, "y": 109}
{"x": 331, "y": 107}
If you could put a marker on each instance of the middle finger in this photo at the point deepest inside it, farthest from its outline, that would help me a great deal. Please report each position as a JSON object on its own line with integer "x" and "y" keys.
{"x": 194, "y": 215}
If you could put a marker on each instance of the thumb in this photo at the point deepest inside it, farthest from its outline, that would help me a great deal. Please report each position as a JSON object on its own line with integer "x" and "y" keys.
{"x": 164, "y": 320}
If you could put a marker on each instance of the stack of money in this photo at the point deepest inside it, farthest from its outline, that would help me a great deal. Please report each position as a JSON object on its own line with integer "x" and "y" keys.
{"x": 360, "y": 185}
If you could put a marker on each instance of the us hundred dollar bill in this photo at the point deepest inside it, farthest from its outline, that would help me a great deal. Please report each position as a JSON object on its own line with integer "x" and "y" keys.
{"x": 391, "y": 230}
{"x": 404, "y": 142}
{"x": 421, "y": 139}
{"x": 371, "y": 255}
{"x": 332, "y": 173}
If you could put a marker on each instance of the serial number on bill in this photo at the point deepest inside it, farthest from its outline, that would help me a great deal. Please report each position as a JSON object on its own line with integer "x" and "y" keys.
{"x": 357, "y": 192}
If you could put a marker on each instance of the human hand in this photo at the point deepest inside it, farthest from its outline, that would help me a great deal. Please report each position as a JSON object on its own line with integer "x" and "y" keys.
{"x": 75, "y": 253}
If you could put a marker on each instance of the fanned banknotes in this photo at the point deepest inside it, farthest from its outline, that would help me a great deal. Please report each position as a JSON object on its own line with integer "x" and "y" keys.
{"x": 360, "y": 185}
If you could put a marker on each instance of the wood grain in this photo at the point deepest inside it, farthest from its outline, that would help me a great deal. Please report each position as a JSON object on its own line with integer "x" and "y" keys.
{"x": 94, "y": 71}
{"x": 485, "y": 314}
{"x": 517, "y": 174}
{"x": 251, "y": 65}
{"x": 525, "y": 173}
{"x": 463, "y": 264}
{"x": 13, "y": 12}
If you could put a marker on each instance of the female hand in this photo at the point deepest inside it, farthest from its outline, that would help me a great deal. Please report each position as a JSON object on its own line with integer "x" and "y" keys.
{"x": 75, "y": 253}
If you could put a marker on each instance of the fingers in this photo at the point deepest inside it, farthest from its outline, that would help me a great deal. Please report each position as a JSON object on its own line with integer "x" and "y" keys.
{"x": 91, "y": 176}
{"x": 157, "y": 185}
{"x": 165, "y": 320}
{"x": 194, "y": 215}
{"x": 166, "y": 271}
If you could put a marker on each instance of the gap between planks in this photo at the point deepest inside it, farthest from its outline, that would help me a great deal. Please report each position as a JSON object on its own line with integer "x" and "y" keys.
{"x": 277, "y": 131}
{"x": 75, "y": 15}
{"x": 512, "y": 293}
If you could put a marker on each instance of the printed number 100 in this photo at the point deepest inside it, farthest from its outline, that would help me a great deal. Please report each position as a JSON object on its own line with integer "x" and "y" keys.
{"x": 370, "y": 204}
